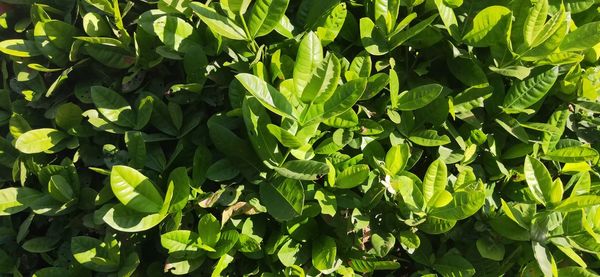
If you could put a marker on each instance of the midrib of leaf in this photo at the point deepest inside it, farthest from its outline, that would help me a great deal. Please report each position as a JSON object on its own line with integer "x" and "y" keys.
{"x": 524, "y": 87}
{"x": 265, "y": 10}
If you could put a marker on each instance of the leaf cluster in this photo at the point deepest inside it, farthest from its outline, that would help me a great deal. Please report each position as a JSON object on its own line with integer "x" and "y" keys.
{"x": 299, "y": 138}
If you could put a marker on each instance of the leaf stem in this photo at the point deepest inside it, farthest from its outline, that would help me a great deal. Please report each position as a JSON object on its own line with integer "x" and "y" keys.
{"x": 253, "y": 43}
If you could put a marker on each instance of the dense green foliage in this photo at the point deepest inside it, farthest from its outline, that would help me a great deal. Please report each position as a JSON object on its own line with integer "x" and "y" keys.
{"x": 300, "y": 138}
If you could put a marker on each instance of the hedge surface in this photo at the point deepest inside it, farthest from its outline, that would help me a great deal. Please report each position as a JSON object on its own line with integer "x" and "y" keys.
{"x": 299, "y": 138}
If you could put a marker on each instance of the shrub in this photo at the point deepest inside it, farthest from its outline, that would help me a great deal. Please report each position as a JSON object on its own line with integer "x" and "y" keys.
{"x": 300, "y": 138}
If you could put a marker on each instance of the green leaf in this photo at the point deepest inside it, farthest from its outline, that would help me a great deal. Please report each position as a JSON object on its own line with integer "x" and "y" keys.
{"x": 409, "y": 241}
{"x": 173, "y": 31}
{"x": 435, "y": 181}
{"x": 93, "y": 254}
{"x": 136, "y": 148}
{"x": 222, "y": 170}
{"x": 303, "y": 169}
{"x": 219, "y": 24}
{"x": 544, "y": 259}
{"x": 111, "y": 56}
{"x": 310, "y": 55}
{"x": 125, "y": 219}
{"x": 135, "y": 190}
{"x": 265, "y": 15}
{"x": 95, "y": 25}
{"x": 576, "y": 271}
{"x": 399, "y": 38}
{"x": 454, "y": 265}
{"x": 60, "y": 189}
{"x": 517, "y": 71}
{"x": 235, "y": 6}
{"x": 538, "y": 179}
{"x": 577, "y": 202}
{"x": 397, "y": 158}
{"x": 535, "y": 21}
{"x": 270, "y": 97}
{"x": 16, "y": 199}
{"x": 572, "y": 154}
{"x": 558, "y": 189}
{"x": 113, "y": 106}
{"x": 221, "y": 265}
{"x": 418, "y": 97}
{"x": 542, "y": 127}
{"x": 434, "y": 225}
{"x": 19, "y": 48}
{"x": 39, "y": 140}
{"x": 284, "y": 198}
{"x": 286, "y": 138}
{"x": 382, "y": 243}
{"x": 331, "y": 24}
{"x": 525, "y": 93}
{"x": 327, "y": 202}
{"x": 428, "y": 138}
{"x": 323, "y": 82}
{"x": 505, "y": 227}
{"x": 344, "y": 97}
{"x": 179, "y": 240}
{"x": 373, "y": 38}
{"x": 180, "y": 181}
{"x": 513, "y": 127}
{"x": 557, "y": 119}
{"x": 464, "y": 203}
{"x": 582, "y": 38}
{"x": 352, "y": 176}
{"x": 209, "y": 230}
{"x": 226, "y": 242}
{"x": 68, "y": 116}
{"x": 324, "y": 253}
{"x": 448, "y": 17}
{"x": 490, "y": 27}
{"x": 550, "y": 37}
{"x": 225, "y": 140}
{"x": 490, "y": 249}
{"x": 144, "y": 112}
{"x": 360, "y": 67}
{"x": 468, "y": 71}
{"x": 257, "y": 119}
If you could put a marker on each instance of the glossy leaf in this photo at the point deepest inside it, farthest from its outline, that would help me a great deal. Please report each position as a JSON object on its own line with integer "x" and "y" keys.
{"x": 538, "y": 179}
{"x": 125, "y": 219}
{"x": 428, "y": 138}
{"x": 19, "y": 48}
{"x": 16, "y": 199}
{"x": 323, "y": 82}
{"x": 490, "y": 26}
{"x": 582, "y": 38}
{"x": 344, "y": 97}
{"x": 270, "y": 97}
{"x": 573, "y": 154}
{"x": 525, "y": 93}
{"x": 284, "y": 198}
{"x": 418, "y": 97}
{"x": 39, "y": 140}
{"x": 435, "y": 180}
{"x": 352, "y": 176}
{"x": 265, "y": 15}
{"x": 218, "y": 23}
{"x": 303, "y": 169}
{"x": 535, "y": 21}
{"x": 324, "y": 251}
{"x": 310, "y": 55}
{"x": 135, "y": 190}
{"x": 113, "y": 106}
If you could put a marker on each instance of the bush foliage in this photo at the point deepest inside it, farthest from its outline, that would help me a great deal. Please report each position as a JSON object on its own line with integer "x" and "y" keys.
{"x": 300, "y": 138}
